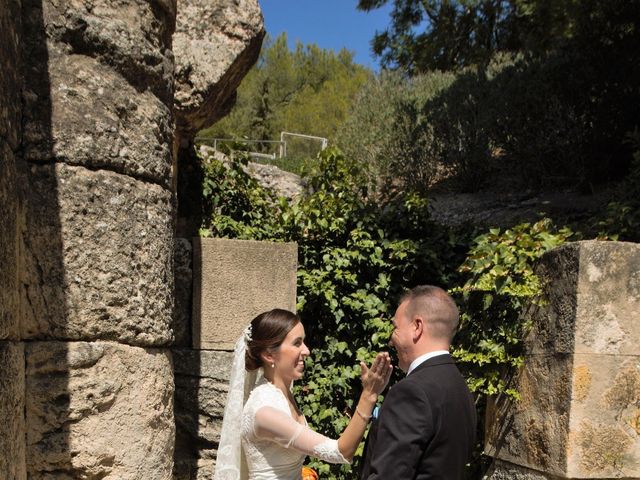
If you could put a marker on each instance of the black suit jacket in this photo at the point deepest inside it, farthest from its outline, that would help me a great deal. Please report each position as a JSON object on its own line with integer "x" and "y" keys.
{"x": 426, "y": 427}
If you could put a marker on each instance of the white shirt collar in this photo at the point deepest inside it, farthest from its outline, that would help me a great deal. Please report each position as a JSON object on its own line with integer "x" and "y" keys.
{"x": 423, "y": 358}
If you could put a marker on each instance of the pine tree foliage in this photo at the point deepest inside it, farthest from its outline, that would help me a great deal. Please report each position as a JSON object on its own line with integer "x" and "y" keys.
{"x": 307, "y": 90}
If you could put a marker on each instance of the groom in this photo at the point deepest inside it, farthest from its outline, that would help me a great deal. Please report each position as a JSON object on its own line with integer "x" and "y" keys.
{"x": 426, "y": 425}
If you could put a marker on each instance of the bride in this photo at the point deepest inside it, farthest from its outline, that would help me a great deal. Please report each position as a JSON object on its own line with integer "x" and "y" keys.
{"x": 264, "y": 434}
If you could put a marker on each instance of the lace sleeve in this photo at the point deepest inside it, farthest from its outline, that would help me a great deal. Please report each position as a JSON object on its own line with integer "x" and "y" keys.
{"x": 279, "y": 427}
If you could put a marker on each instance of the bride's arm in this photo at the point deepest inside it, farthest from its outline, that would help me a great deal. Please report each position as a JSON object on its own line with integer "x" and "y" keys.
{"x": 374, "y": 381}
{"x": 273, "y": 424}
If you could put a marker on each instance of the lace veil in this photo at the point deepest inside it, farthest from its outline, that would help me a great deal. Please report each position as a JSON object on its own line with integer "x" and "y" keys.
{"x": 230, "y": 463}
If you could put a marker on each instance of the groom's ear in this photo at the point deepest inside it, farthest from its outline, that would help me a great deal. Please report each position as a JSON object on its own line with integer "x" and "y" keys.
{"x": 418, "y": 329}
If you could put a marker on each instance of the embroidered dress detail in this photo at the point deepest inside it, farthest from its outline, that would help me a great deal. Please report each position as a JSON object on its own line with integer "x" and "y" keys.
{"x": 275, "y": 444}
{"x": 329, "y": 452}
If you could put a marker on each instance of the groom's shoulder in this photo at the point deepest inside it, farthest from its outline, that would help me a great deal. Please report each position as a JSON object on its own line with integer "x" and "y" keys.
{"x": 430, "y": 374}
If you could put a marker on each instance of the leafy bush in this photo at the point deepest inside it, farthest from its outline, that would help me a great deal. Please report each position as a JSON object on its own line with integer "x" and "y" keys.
{"x": 355, "y": 259}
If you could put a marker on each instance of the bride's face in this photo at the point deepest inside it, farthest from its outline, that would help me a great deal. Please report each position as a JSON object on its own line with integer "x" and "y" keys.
{"x": 289, "y": 358}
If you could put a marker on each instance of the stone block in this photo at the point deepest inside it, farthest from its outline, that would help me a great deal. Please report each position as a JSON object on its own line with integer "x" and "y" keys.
{"x": 592, "y": 293}
{"x": 94, "y": 117}
{"x": 12, "y": 403}
{"x": 10, "y": 78}
{"x": 235, "y": 280}
{"x": 215, "y": 44}
{"x": 98, "y": 257}
{"x": 201, "y": 379}
{"x": 98, "y": 410}
{"x": 579, "y": 415}
{"x": 183, "y": 272}
{"x": 507, "y": 471}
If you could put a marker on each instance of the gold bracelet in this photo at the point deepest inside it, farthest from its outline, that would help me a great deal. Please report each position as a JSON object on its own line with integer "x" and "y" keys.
{"x": 366, "y": 418}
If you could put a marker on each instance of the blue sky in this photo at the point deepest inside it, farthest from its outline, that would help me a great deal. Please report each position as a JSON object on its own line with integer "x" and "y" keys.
{"x": 330, "y": 24}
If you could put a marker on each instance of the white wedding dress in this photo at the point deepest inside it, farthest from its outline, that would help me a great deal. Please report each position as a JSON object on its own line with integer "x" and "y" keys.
{"x": 260, "y": 439}
{"x": 275, "y": 444}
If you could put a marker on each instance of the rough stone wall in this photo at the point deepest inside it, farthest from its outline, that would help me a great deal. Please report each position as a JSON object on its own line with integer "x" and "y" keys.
{"x": 202, "y": 379}
{"x": 87, "y": 239}
{"x": 87, "y": 202}
{"x": 215, "y": 44}
{"x": 10, "y": 133}
{"x": 99, "y": 410}
{"x": 12, "y": 378}
{"x": 580, "y": 385}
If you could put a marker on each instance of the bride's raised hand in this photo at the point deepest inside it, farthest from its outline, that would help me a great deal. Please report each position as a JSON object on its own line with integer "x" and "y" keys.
{"x": 375, "y": 379}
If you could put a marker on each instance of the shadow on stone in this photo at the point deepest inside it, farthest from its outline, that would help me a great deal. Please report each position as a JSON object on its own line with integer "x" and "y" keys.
{"x": 43, "y": 299}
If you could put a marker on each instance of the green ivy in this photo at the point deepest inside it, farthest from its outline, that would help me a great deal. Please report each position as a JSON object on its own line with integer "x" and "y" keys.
{"x": 355, "y": 258}
{"x": 500, "y": 282}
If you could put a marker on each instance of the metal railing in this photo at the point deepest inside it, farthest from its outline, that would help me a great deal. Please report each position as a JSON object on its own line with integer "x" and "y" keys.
{"x": 281, "y": 149}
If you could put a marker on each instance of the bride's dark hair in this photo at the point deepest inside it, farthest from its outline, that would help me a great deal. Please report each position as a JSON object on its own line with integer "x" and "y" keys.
{"x": 268, "y": 331}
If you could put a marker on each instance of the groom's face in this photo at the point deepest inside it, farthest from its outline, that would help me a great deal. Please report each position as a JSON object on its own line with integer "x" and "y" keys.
{"x": 402, "y": 336}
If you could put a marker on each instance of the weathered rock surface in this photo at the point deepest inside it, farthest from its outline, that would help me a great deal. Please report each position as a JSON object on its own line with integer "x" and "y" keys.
{"x": 284, "y": 184}
{"x": 594, "y": 300}
{"x": 534, "y": 431}
{"x": 507, "y": 471}
{"x": 201, "y": 390}
{"x": 99, "y": 252}
{"x": 10, "y": 120}
{"x": 215, "y": 44}
{"x": 98, "y": 120}
{"x": 12, "y": 398}
{"x": 98, "y": 410}
{"x": 579, "y": 416}
{"x": 10, "y": 80}
{"x": 183, "y": 271}
{"x": 505, "y": 209}
{"x": 131, "y": 36}
{"x": 10, "y": 208}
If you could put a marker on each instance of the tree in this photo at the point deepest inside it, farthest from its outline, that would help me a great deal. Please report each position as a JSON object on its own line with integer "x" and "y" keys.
{"x": 307, "y": 90}
{"x": 442, "y": 34}
{"x": 452, "y": 34}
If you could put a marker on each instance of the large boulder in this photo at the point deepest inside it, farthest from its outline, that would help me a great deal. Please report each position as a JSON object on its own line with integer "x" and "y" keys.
{"x": 215, "y": 44}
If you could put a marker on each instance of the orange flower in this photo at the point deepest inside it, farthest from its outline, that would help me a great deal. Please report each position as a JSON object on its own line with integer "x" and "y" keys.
{"x": 309, "y": 474}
